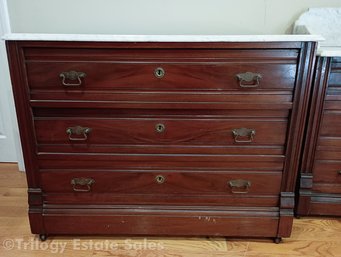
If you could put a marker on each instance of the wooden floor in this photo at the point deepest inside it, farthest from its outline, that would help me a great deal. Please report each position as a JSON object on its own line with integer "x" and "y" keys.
{"x": 310, "y": 237}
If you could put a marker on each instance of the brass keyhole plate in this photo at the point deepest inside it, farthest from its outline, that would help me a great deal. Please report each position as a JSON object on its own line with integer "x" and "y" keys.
{"x": 160, "y": 179}
{"x": 160, "y": 128}
{"x": 159, "y": 72}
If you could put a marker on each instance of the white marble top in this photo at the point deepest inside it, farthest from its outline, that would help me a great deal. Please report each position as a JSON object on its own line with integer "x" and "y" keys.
{"x": 161, "y": 38}
{"x": 325, "y": 22}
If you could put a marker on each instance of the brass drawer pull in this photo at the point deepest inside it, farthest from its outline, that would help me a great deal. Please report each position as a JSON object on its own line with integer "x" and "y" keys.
{"x": 160, "y": 127}
{"x": 243, "y": 132}
{"x": 82, "y": 184}
{"x": 339, "y": 172}
{"x": 79, "y": 131}
{"x": 159, "y": 73}
{"x": 72, "y": 75}
{"x": 239, "y": 186}
{"x": 249, "y": 79}
{"x": 160, "y": 179}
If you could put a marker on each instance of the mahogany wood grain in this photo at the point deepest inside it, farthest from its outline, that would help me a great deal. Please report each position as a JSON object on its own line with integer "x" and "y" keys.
{"x": 325, "y": 205}
{"x": 109, "y": 199}
{"x": 327, "y": 171}
{"x": 327, "y": 188}
{"x": 177, "y": 131}
{"x": 23, "y": 111}
{"x": 198, "y": 99}
{"x": 331, "y": 124}
{"x": 159, "y": 161}
{"x": 298, "y": 116}
{"x": 194, "y": 74}
{"x": 170, "y": 113}
{"x": 175, "y": 182}
{"x": 174, "y": 105}
{"x": 310, "y": 236}
{"x": 320, "y": 185}
{"x": 136, "y": 221}
{"x": 163, "y": 100}
{"x": 240, "y": 149}
{"x": 330, "y": 154}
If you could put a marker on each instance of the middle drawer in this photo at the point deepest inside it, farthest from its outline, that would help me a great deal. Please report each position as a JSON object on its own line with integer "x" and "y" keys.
{"x": 73, "y": 132}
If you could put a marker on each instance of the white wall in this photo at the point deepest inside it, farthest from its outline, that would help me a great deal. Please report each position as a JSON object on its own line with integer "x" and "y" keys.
{"x": 159, "y": 16}
{"x": 10, "y": 147}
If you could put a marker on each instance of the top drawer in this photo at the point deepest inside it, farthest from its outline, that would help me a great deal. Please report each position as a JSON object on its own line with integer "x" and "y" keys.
{"x": 160, "y": 69}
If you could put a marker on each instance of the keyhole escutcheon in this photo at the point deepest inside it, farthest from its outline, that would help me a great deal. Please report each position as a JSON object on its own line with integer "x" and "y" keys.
{"x": 160, "y": 127}
{"x": 160, "y": 179}
{"x": 159, "y": 72}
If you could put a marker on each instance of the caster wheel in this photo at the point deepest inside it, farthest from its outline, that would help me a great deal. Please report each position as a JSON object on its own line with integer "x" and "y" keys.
{"x": 42, "y": 237}
{"x": 277, "y": 240}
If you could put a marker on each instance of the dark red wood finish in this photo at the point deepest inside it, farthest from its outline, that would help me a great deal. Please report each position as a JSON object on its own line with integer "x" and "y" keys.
{"x": 212, "y": 184}
{"x": 320, "y": 176}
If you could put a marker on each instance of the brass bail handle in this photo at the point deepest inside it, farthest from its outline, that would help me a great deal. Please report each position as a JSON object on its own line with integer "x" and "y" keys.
{"x": 249, "y": 79}
{"x": 243, "y": 133}
{"x": 72, "y": 76}
{"x": 239, "y": 186}
{"x": 82, "y": 184}
{"x": 80, "y": 132}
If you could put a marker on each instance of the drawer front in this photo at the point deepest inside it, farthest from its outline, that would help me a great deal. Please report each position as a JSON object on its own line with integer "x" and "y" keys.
{"x": 147, "y": 221}
{"x": 329, "y": 143}
{"x": 189, "y": 69}
{"x": 161, "y": 131}
{"x": 161, "y": 187}
{"x": 329, "y": 135}
{"x": 327, "y": 171}
{"x": 327, "y": 188}
{"x": 331, "y": 124}
{"x": 331, "y": 154}
{"x": 149, "y": 75}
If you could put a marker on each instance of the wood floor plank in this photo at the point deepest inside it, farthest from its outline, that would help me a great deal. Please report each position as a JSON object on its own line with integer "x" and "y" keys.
{"x": 13, "y": 191}
{"x": 326, "y": 229}
{"x": 172, "y": 244}
{"x": 122, "y": 253}
{"x": 10, "y": 175}
{"x": 296, "y": 248}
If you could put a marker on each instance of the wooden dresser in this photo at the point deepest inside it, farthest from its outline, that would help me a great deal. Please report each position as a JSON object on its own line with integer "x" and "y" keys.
{"x": 320, "y": 181}
{"x": 138, "y": 138}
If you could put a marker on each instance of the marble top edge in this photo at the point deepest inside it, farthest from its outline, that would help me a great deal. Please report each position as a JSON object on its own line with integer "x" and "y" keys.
{"x": 160, "y": 38}
{"x": 329, "y": 51}
{"x": 325, "y": 22}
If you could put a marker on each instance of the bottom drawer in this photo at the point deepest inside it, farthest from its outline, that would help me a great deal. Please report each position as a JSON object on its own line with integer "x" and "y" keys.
{"x": 161, "y": 187}
{"x": 257, "y": 222}
{"x": 325, "y": 204}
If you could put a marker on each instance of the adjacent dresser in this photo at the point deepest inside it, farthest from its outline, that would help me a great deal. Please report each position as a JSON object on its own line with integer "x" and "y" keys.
{"x": 320, "y": 180}
{"x": 157, "y": 138}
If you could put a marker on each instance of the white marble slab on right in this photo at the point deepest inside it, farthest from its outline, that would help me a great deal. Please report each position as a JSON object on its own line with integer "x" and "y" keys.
{"x": 325, "y": 22}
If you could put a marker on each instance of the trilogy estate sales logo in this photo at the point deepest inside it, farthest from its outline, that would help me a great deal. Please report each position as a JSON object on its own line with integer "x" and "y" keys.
{"x": 59, "y": 247}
